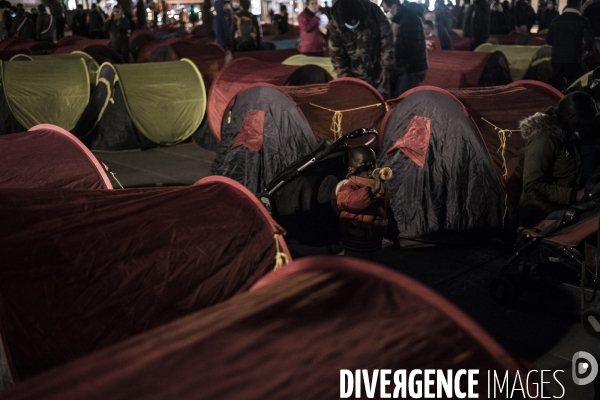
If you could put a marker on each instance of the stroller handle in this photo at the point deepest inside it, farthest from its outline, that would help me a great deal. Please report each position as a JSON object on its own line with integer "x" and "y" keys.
{"x": 363, "y": 132}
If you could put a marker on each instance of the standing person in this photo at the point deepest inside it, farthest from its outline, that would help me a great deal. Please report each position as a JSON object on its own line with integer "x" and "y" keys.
{"x": 141, "y": 15}
{"x": 221, "y": 26}
{"x": 22, "y": 26}
{"x": 95, "y": 21}
{"x": 439, "y": 30}
{"x": 118, "y": 28}
{"x": 479, "y": 29}
{"x": 361, "y": 44}
{"x": 246, "y": 30}
{"x": 281, "y": 21}
{"x": 58, "y": 14}
{"x": 45, "y": 25}
{"x": 165, "y": 16}
{"x": 312, "y": 42}
{"x": 591, "y": 11}
{"x": 566, "y": 34}
{"x": 498, "y": 22}
{"x": 410, "y": 48}
{"x": 548, "y": 15}
{"x": 80, "y": 22}
{"x": 34, "y": 15}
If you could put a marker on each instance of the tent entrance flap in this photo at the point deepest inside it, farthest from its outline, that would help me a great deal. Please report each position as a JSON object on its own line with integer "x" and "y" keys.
{"x": 165, "y": 100}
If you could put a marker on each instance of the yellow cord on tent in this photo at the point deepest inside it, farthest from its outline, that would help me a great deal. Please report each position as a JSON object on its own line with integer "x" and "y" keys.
{"x": 336, "y": 122}
{"x": 503, "y": 134}
{"x": 281, "y": 258}
{"x": 115, "y": 178}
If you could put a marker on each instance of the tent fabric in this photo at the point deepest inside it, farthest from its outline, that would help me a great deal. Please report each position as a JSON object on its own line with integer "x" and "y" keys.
{"x": 458, "y": 189}
{"x": 84, "y": 269}
{"x": 519, "y": 57}
{"x": 510, "y": 38}
{"x": 57, "y": 97}
{"x": 340, "y": 106}
{"x": 166, "y": 101}
{"x": 27, "y": 44}
{"x": 25, "y": 161}
{"x": 415, "y": 142}
{"x": 286, "y": 136}
{"x": 6, "y": 55}
{"x": 288, "y": 337}
{"x": 241, "y": 74}
{"x": 301, "y": 59}
{"x": 584, "y": 81}
{"x": 138, "y": 39}
{"x": 157, "y": 50}
{"x": 91, "y": 64}
{"x": 458, "y": 69}
{"x": 94, "y": 48}
{"x": 209, "y": 58}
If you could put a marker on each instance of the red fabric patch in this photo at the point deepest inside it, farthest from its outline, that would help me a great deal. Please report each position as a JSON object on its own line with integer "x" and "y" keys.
{"x": 415, "y": 141}
{"x": 251, "y": 134}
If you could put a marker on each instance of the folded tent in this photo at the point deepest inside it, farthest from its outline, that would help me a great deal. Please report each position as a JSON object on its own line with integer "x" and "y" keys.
{"x": 290, "y": 337}
{"x": 151, "y": 104}
{"x": 58, "y": 96}
{"x": 458, "y": 158}
{"x": 262, "y": 134}
{"x": 84, "y": 269}
{"x": 25, "y": 161}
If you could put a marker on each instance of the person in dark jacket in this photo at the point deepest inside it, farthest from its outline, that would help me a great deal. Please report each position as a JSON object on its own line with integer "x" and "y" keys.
{"x": 439, "y": 30}
{"x": 45, "y": 25}
{"x": 80, "y": 26}
{"x": 547, "y": 15}
{"x": 95, "y": 23}
{"x": 22, "y": 26}
{"x": 552, "y": 169}
{"x": 361, "y": 43}
{"x": 281, "y": 21}
{"x": 566, "y": 34}
{"x": 118, "y": 28}
{"x": 141, "y": 16}
{"x": 479, "y": 23}
{"x": 498, "y": 22}
{"x": 246, "y": 31}
{"x": 409, "y": 47}
{"x": 221, "y": 26}
{"x": 58, "y": 14}
{"x": 591, "y": 11}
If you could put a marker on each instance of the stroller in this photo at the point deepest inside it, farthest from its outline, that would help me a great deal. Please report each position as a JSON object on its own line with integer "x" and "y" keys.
{"x": 558, "y": 242}
{"x": 301, "y": 198}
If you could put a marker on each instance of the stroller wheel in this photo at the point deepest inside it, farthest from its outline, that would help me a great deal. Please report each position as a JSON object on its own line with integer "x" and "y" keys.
{"x": 503, "y": 290}
{"x": 590, "y": 319}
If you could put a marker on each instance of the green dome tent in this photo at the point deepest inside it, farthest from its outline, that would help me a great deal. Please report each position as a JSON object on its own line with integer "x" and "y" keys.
{"x": 28, "y": 98}
{"x": 151, "y": 103}
{"x": 301, "y": 60}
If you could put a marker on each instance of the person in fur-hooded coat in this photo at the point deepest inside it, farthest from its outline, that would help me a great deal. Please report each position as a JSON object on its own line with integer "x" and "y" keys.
{"x": 551, "y": 172}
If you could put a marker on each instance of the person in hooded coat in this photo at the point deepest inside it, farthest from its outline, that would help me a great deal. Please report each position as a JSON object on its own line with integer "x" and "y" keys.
{"x": 552, "y": 168}
{"x": 22, "y": 26}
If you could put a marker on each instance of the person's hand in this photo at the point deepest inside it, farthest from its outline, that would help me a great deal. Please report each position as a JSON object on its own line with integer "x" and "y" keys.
{"x": 580, "y": 194}
{"x": 377, "y": 182}
{"x": 318, "y": 13}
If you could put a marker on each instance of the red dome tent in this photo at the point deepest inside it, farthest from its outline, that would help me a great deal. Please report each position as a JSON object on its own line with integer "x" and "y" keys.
{"x": 138, "y": 39}
{"x": 242, "y": 73}
{"x": 290, "y": 337}
{"x": 98, "y": 49}
{"x": 33, "y": 46}
{"x": 25, "y": 161}
{"x": 340, "y": 106}
{"x": 158, "y": 50}
{"x": 84, "y": 269}
{"x": 473, "y": 141}
{"x": 458, "y": 69}
{"x": 209, "y": 58}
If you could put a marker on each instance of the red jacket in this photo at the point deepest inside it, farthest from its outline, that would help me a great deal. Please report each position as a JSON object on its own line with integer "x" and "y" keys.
{"x": 311, "y": 38}
{"x": 364, "y": 218}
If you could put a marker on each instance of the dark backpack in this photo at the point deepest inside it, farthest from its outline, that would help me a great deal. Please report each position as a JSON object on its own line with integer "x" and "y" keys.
{"x": 246, "y": 33}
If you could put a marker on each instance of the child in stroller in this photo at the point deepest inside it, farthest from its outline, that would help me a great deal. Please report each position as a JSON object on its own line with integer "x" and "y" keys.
{"x": 300, "y": 198}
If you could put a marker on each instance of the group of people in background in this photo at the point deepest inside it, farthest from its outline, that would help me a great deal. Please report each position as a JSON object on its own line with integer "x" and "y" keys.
{"x": 40, "y": 23}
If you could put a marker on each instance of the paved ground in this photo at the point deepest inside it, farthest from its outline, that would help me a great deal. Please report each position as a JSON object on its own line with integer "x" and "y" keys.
{"x": 542, "y": 327}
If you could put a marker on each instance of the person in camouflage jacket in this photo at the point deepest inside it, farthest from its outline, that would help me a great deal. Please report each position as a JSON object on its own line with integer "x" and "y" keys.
{"x": 361, "y": 43}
